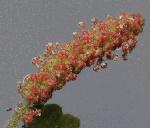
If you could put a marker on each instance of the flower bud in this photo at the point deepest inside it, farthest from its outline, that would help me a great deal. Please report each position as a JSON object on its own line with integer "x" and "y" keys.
{"x": 81, "y": 25}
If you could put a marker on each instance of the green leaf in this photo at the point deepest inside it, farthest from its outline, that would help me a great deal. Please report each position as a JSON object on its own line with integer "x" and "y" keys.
{"x": 69, "y": 121}
{"x": 53, "y": 117}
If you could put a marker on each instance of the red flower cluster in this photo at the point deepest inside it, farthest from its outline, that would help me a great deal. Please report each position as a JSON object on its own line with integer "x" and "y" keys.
{"x": 30, "y": 115}
{"x": 37, "y": 93}
{"x": 61, "y": 62}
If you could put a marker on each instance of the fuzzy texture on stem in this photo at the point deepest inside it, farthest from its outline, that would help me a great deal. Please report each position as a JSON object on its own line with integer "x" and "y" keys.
{"x": 62, "y": 62}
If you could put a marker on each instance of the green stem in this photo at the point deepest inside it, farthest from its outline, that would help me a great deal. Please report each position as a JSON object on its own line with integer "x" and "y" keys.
{"x": 17, "y": 114}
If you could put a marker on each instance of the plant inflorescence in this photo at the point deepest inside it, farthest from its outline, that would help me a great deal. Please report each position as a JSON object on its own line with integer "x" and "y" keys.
{"x": 62, "y": 62}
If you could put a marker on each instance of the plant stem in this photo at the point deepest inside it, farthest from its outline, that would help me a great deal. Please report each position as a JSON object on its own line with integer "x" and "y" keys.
{"x": 17, "y": 114}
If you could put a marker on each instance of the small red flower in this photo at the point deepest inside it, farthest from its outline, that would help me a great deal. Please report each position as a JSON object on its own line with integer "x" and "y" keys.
{"x": 44, "y": 94}
{"x": 103, "y": 39}
{"x": 49, "y": 47}
{"x": 85, "y": 37}
{"x": 53, "y": 83}
{"x": 33, "y": 77}
{"x": 44, "y": 76}
{"x": 28, "y": 119}
{"x": 73, "y": 77}
{"x": 34, "y": 61}
{"x": 103, "y": 26}
{"x": 62, "y": 53}
{"x": 90, "y": 54}
{"x": 34, "y": 90}
{"x": 30, "y": 115}
{"x": 125, "y": 48}
{"x": 99, "y": 53}
{"x": 81, "y": 65}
